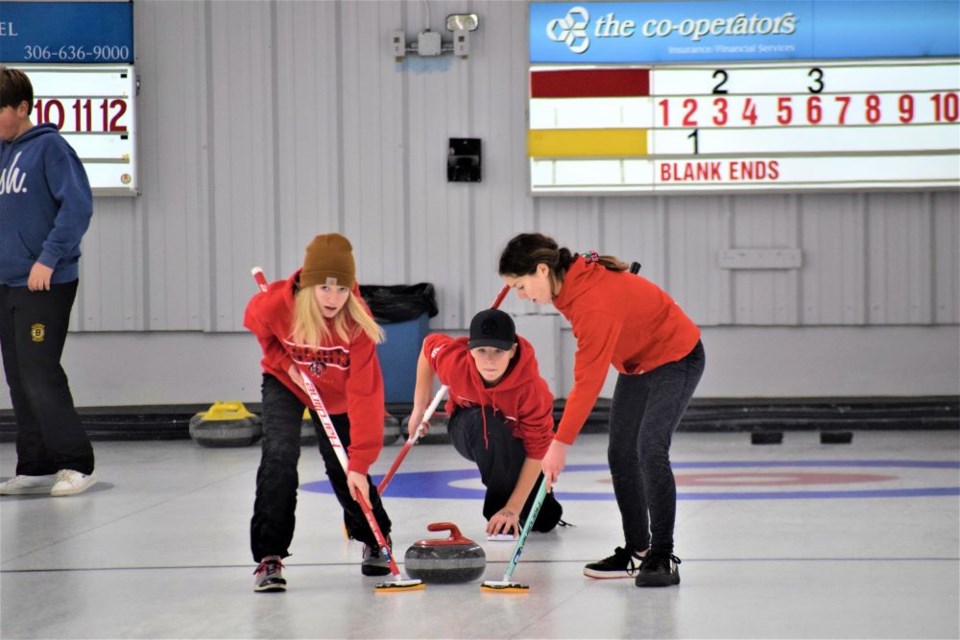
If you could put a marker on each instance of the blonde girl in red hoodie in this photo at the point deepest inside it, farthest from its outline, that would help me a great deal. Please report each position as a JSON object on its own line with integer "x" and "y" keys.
{"x": 623, "y": 320}
{"x": 501, "y": 414}
{"x": 316, "y": 315}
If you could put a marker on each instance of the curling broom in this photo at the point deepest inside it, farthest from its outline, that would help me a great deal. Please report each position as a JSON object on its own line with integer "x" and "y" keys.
{"x": 507, "y": 585}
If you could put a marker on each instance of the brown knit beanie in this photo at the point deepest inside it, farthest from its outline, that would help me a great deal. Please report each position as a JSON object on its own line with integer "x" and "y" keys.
{"x": 329, "y": 260}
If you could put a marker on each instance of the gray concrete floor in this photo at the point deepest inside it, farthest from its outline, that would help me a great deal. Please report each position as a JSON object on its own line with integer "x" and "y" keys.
{"x": 798, "y": 540}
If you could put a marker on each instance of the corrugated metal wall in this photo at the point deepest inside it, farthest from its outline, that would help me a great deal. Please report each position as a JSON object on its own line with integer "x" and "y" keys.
{"x": 265, "y": 122}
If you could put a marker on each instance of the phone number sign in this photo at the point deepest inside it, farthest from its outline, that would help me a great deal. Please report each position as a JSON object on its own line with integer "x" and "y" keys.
{"x": 66, "y": 32}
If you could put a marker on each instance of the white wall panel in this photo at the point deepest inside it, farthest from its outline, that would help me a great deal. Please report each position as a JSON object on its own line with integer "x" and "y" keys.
{"x": 501, "y": 205}
{"x": 371, "y": 132}
{"x": 833, "y": 238}
{"x": 173, "y": 207}
{"x": 765, "y": 296}
{"x": 899, "y": 259}
{"x": 697, "y": 229}
{"x": 308, "y": 140}
{"x": 242, "y": 177}
{"x": 946, "y": 257}
{"x": 110, "y": 297}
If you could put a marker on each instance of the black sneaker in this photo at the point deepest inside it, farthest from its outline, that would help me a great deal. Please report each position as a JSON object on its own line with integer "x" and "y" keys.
{"x": 622, "y": 564}
{"x": 659, "y": 569}
{"x": 269, "y": 575}
{"x": 374, "y": 562}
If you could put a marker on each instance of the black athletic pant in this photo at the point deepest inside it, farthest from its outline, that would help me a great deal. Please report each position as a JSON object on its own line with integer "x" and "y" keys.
{"x": 645, "y": 412}
{"x": 33, "y": 329}
{"x": 499, "y": 463}
{"x": 274, "y": 509}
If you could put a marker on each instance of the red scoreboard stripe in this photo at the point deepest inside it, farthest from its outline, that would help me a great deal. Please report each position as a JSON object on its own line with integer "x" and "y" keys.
{"x": 590, "y": 83}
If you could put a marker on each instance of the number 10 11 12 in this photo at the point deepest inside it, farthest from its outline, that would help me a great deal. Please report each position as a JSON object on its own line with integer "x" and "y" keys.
{"x": 107, "y": 115}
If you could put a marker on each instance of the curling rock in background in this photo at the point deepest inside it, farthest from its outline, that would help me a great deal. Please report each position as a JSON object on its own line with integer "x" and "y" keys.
{"x": 445, "y": 560}
{"x": 391, "y": 429}
{"x": 308, "y": 432}
{"x": 225, "y": 424}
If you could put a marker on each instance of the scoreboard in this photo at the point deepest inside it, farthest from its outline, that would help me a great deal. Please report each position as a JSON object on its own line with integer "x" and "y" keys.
{"x": 93, "y": 106}
{"x": 78, "y": 56}
{"x": 667, "y": 105}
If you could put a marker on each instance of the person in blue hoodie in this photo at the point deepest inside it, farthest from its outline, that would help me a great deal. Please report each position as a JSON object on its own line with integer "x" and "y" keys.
{"x": 45, "y": 208}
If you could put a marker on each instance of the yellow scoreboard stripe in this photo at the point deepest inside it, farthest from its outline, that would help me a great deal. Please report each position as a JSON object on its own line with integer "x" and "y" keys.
{"x": 586, "y": 143}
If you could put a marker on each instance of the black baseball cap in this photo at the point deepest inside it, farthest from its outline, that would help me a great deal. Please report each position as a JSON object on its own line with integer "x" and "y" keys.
{"x": 492, "y": 328}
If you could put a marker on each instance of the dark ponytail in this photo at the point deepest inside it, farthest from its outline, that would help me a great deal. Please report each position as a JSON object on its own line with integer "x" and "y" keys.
{"x": 525, "y": 251}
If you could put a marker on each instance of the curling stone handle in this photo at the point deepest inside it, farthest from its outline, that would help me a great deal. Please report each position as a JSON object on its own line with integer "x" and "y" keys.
{"x": 454, "y": 530}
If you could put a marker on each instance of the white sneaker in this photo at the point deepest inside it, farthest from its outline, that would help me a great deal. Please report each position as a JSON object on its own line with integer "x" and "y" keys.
{"x": 70, "y": 482}
{"x": 26, "y": 485}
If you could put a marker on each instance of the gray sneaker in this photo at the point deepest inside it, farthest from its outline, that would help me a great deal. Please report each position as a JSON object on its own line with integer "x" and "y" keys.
{"x": 374, "y": 562}
{"x": 27, "y": 485}
{"x": 269, "y": 575}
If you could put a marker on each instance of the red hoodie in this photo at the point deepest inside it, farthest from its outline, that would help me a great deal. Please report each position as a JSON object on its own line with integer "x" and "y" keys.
{"x": 522, "y": 396}
{"x": 621, "y": 319}
{"x": 346, "y": 374}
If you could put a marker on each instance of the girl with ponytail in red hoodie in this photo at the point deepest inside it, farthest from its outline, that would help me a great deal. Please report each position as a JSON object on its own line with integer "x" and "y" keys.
{"x": 501, "y": 414}
{"x": 623, "y": 320}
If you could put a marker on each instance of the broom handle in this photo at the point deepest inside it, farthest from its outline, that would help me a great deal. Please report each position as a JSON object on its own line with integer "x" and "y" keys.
{"x": 527, "y": 527}
{"x": 335, "y": 442}
{"x": 412, "y": 440}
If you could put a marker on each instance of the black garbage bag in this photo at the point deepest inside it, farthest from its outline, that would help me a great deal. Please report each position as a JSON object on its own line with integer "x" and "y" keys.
{"x": 400, "y": 302}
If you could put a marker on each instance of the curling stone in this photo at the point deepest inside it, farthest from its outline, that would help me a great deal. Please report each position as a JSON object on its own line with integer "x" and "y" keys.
{"x": 225, "y": 424}
{"x": 391, "y": 430}
{"x": 445, "y": 560}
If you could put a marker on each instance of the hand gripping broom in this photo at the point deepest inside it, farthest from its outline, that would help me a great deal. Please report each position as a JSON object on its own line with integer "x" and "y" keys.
{"x": 398, "y": 584}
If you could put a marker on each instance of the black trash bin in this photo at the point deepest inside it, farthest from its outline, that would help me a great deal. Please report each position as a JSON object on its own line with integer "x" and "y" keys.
{"x": 404, "y": 312}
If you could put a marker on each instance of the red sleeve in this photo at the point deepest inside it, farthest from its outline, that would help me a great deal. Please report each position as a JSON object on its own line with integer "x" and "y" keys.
{"x": 597, "y": 334}
{"x": 440, "y": 350}
{"x": 365, "y": 405}
{"x": 260, "y": 317}
{"x": 536, "y": 420}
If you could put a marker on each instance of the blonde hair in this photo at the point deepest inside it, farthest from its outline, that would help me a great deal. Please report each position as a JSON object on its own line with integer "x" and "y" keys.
{"x": 310, "y": 327}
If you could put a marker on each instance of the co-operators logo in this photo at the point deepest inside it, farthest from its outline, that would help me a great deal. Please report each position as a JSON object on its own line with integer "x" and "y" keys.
{"x": 571, "y": 30}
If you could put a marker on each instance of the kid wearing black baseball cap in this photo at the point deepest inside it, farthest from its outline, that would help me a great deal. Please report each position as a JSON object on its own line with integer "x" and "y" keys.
{"x": 501, "y": 414}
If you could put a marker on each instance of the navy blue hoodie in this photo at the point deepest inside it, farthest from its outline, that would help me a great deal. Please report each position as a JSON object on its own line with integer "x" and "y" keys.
{"x": 45, "y": 206}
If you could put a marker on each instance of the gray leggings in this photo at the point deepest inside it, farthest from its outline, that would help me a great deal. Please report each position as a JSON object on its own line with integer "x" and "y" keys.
{"x": 645, "y": 412}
